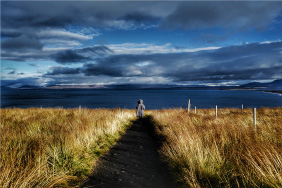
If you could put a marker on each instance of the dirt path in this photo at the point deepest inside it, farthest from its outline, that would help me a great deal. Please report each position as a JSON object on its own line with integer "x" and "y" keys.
{"x": 132, "y": 162}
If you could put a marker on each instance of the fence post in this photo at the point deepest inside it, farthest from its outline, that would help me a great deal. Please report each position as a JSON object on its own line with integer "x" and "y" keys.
{"x": 189, "y": 105}
{"x": 195, "y": 109}
{"x": 216, "y": 111}
{"x": 79, "y": 108}
{"x": 255, "y": 120}
{"x": 242, "y": 107}
{"x": 121, "y": 110}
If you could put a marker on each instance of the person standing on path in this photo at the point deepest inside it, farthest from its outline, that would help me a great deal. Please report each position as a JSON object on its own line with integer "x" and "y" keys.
{"x": 140, "y": 108}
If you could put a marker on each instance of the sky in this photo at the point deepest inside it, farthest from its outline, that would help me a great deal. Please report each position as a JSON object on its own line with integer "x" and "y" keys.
{"x": 212, "y": 43}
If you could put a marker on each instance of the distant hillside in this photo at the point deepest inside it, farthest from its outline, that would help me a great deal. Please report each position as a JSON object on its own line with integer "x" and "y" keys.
{"x": 276, "y": 84}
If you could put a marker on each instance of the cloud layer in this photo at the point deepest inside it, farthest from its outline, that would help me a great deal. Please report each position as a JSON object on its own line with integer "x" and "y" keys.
{"x": 172, "y": 15}
{"x": 235, "y": 15}
{"x": 64, "y": 34}
{"x": 238, "y": 62}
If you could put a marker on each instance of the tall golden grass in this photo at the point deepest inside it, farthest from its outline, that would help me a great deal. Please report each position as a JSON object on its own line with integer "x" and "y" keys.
{"x": 50, "y": 147}
{"x": 223, "y": 152}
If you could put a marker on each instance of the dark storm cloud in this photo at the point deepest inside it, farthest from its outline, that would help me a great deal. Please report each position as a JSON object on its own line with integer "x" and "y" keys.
{"x": 171, "y": 15}
{"x": 12, "y": 72}
{"x": 238, "y": 62}
{"x": 63, "y": 70}
{"x": 238, "y": 15}
{"x": 250, "y": 61}
{"x": 80, "y": 55}
{"x": 139, "y": 17}
{"x": 18, "y": 51}
{"x": 70, "y": 56}
{"x": 95, "y": 50}
{"x": 22, "y": 48}
{"x": 96, "y": 70}
{"x": 10, "y": 33}
{"x": 127, "y": 65}
{"x": 60, "y": 14}
{"x": 34, "y": 14}
{"x": 33, "y": 64}
{"x": 21, "y": 43}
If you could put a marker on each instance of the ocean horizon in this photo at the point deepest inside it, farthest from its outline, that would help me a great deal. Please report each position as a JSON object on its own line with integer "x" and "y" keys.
{"x": 153, "y": 98}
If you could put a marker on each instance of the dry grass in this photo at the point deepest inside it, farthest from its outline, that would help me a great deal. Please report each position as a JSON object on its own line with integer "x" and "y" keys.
{"x": 50, "y": 147}
{"x": 223, "y": 152}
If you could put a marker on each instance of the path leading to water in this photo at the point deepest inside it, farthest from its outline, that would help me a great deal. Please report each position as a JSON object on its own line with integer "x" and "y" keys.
{"x": 132, "y": 162}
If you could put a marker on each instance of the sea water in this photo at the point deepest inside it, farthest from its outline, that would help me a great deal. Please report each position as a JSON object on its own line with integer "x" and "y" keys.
{"x": 153, "y": 98}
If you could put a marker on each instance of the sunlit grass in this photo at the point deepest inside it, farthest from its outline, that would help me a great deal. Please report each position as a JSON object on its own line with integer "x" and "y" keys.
{"x": 47, "y": 147}
{"x": 223, "y": 152}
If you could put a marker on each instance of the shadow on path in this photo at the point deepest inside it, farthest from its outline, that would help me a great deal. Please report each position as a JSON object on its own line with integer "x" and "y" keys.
{"x": 132, "y": 162}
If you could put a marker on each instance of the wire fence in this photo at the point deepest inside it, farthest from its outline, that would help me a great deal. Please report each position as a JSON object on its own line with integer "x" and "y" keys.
{"x": 222, "y": 111}
{"x": 225, "y": 112}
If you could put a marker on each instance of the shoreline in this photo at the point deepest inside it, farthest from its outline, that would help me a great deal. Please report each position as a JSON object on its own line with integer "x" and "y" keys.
{"x": 273, "y": 92}
{"x": 250, "y": 89}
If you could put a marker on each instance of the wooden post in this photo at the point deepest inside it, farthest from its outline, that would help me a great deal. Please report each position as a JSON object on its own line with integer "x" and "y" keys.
{"x": 255, "y": 120}
{"x": 216, "y": 111}
{"x": 189, "y": 105}
{"x": 242, "y": 107}
{"x": 195, "y": 109}
{"x": 39, "y": 164}
{"x": 121, "y": 110}
{"x": 79, "y": 108}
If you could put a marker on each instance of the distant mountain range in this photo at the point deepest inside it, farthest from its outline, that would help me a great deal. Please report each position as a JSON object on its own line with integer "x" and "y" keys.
{"x": 276, "y": 85}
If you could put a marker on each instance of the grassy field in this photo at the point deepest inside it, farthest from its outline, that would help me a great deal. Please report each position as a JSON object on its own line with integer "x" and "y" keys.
{"x": 58, "y": 147}
{"x": 55, "y": 147}
{"x": 225, "y": 152}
